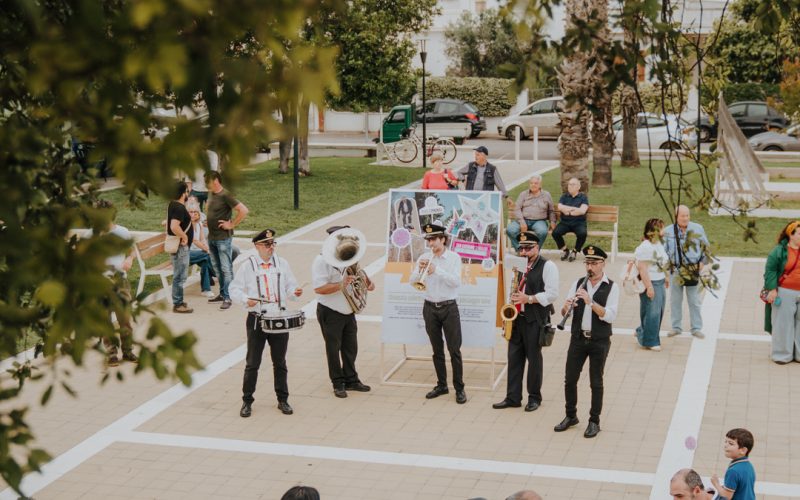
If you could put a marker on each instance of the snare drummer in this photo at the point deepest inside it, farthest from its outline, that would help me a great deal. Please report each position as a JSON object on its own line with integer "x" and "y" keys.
{"x": 267, "y": 277}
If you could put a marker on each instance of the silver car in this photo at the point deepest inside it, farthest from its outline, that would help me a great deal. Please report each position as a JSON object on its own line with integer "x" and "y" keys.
{"x": 542, "y": 113}
{"x": 777, "y": 141}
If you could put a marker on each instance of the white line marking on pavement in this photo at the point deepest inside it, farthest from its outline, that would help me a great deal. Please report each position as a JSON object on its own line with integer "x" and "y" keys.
{"x": 687, "y": 416}
{"x": 390, "y": 458}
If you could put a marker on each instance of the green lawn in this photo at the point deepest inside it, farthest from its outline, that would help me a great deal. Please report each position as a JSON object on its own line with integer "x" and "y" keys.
{"x": 336, "y": 184}
{"x": 634, "y": 193}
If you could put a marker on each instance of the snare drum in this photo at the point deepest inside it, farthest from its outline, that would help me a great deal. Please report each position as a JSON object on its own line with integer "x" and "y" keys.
{"x": 282, "y": 321}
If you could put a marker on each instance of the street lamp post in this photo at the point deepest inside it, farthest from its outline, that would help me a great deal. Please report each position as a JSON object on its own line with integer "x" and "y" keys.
{"x": 423, "y": 55}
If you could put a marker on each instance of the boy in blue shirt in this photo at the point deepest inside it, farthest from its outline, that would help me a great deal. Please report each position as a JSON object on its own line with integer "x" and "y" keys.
{"x": 740, "y": 478}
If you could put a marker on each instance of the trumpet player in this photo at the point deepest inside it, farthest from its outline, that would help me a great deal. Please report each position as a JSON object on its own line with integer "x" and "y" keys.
{"x": 533, "y": 298}
{"x": 440, "y": 271}
{"x": 594, "y": 300}
{"x": 338, "y": 322}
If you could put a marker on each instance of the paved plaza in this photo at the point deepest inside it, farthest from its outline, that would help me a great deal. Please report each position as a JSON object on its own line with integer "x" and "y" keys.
{"x": 149, "y": 439}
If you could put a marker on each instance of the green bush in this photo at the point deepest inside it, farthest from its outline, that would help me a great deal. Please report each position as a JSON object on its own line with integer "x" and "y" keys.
{"x": 751, "y": 91}
{"x": 650, "y": 94}
{"x": 492, "y": 96}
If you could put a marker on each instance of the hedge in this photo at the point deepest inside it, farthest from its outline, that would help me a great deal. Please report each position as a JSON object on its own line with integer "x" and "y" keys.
{"x": 752, "y": 91}
{"x": 650, "y": 94}
{"x": 492, "y": 96}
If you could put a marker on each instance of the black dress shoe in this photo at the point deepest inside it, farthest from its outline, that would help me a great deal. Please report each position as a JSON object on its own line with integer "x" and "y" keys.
{"x": 505, "y": 404}
{"x": 436, "y": 392}
{"x": 358, "y": 387}
{"x": 246, "y": 410}
{"x": 566, "y": 424}
{"x": 532, "y": 406}
{"x": 284, "y": 407}
{"x": 461, "y": 397}
{"x": 339, "y": 392}
{"x": 591, "y": 430}
{"x": 218, "y": 298}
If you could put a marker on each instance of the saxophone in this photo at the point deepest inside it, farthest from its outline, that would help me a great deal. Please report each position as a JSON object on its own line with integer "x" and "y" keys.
{"x": 508, "y": 312}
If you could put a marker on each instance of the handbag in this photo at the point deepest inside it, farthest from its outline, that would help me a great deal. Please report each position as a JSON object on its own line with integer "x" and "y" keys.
{"x": 173, "y": 242}
{"x": 631, "y": 284}
{"x": 546, "y": 335}
{"x": 692, "y": 269}
{"x": 447, "y": 179}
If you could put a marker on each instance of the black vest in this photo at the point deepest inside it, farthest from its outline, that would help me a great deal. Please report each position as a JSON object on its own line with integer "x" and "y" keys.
{"x": 488, "y": 176}
{"x": 534, "y": 283}
{"x": 600, "y": 329}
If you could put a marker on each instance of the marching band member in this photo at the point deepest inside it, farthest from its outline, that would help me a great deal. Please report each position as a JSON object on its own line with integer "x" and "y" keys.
{"x": 268, "y": 278}
{"x": 338, "y": 323}
{"x": 594, "y": 299}
{"x": 441, "y": 272}
{"x": 535, "y": 294}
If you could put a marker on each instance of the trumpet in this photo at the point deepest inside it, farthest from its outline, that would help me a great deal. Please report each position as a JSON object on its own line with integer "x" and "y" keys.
{"x": 561, "y": 325}
{"x": 424, "y": 265}
{"x": 508, "y": 312}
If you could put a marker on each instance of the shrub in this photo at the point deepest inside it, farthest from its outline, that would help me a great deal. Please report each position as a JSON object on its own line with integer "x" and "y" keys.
{"x": 492, "y": 96}
{"x": 751, "y": 91}
{"x": 650, "y": 94}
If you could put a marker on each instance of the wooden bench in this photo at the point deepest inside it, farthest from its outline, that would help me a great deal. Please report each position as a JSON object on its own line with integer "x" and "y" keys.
{"x": 604, "y": 214}
{"x": 147, "y": 248}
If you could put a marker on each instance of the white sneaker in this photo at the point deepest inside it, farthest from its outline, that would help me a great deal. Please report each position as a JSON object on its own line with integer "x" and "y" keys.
{"x": 208, "y": 293}
{"x": 655, "y": 348}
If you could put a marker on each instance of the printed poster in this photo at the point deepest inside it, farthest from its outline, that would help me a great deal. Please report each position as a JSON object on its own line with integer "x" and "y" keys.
{"x": 472, "y": 220}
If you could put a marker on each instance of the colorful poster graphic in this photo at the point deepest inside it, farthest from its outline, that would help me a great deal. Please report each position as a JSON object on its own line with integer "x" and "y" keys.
{"x": 473, "y": 226}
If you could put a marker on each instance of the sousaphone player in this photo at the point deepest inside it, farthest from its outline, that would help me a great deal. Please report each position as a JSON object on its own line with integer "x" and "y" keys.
{"x": 261, "y": 284}
{"x": 341, "y": 292}
{"x": 537, "y": 290}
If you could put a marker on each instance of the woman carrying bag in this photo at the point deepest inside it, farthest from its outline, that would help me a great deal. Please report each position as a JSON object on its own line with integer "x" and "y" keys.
{"x": 438, "y": 177}
{"x": 782, "y": 287}
{"x": 651, "y": 262}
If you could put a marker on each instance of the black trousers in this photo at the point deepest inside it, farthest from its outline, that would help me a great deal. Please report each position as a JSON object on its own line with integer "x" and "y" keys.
{"x": 256, "y": 340}
{"x": 524, "y": 345}
{"x": 579, "y": 350}
{"x": 341, "y": 344}
{"x": 447, "y": 319}
{"x": 572, "y": 226}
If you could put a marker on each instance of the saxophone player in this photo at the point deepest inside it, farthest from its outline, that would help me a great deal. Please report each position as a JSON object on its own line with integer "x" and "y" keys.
{"x": 534, "y": 296}
{"x": 337, "y": 318}
{"x": 440, "y": 272}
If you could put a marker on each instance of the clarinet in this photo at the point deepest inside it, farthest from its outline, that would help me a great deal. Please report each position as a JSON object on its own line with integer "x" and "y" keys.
{"x": 572, "y": 306}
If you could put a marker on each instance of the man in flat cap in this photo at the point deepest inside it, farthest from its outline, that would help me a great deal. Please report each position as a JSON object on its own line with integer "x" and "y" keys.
{"x": 480, "y": 175}
{"x": 594, "y": 299}
{"x": 262, "y": 284}
{"x": 440, "y": 271}
{"x": 533, "y": 297}
{"x": 337, "y": 320}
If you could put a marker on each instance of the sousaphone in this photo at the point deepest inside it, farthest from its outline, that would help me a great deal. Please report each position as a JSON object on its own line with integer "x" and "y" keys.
{"x": 343, "y": 249}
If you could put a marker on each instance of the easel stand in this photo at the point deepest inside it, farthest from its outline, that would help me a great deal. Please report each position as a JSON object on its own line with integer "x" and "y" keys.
{"x": 493, "y": 381}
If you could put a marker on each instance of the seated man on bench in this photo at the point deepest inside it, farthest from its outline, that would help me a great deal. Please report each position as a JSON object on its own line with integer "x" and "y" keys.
{"x": 572, "y": 206}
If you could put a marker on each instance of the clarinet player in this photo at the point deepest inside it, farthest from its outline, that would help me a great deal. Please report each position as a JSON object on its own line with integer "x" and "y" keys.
{"x": 593, "y": 300}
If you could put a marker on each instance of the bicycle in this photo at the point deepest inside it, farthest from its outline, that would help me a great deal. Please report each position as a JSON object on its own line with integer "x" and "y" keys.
{"x": 407, "y": 149}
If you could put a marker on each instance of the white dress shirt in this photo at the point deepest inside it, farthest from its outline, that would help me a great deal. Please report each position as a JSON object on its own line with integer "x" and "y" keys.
{"x": 612, "y": 303}
{"x": 446, "y": 278}
{"x": 253, "y": 281}
{"x": 550, "y": 278}
{"x": 322, "y": 274}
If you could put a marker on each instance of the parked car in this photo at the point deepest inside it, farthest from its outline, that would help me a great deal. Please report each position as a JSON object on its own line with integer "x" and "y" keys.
{"x": 401, "y": 119}
{"x": 777, "y": 141}
{"x": 542, "y": 114}
{"x": 753, "y": 117}
{"x": 452, "y": 111}
{"x": 665, "y": 132}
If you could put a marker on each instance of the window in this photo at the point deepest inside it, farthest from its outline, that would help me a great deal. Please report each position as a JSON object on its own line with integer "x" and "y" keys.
{"x": 398, "y": 116}
{"x": 429, "y": 107}
{"x": 738, "y": 110}
{"x": 447, "y": 108}
{"x": 617, "y": 125}
{"x": 653, "y": 122}
{"x": 542, "y": 107}
{"x": 757, "y": 110}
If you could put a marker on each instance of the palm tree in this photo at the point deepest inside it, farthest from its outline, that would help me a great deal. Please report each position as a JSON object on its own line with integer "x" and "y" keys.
{"x": 602, "y": 133}
{"x": 629, "y": 102}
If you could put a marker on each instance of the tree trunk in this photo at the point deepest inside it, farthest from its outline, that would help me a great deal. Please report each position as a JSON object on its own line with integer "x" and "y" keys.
{"x": 285, "y": 148}
{"x": 575, "y": 83}
{"x": 602, "y": 133}
{"x": 305, "y": 166}
{"x": 630, "y": 105}
{"x": 287, "y": 145}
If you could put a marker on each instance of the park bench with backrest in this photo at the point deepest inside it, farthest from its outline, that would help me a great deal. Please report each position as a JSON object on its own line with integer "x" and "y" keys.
{"x": 146, "y": 249}
{"x": 603, "y": 214}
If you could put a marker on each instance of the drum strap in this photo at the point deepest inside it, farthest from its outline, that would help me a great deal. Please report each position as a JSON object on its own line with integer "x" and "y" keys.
{"x": 274, "y": 263}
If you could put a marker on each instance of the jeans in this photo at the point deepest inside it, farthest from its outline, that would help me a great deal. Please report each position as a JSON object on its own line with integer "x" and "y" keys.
{"x": 180, "y": 270}
{"x": 786, "y": 327}
{"x": 651, "y": 312}
{"x": 202, "y": 259}
{"x": 539, "y": 227}
{"x": 570, "y": 226}
{"x": 676, "y": 305}
{"x": 579, "y": 350}
{"x": 220, "y": 251}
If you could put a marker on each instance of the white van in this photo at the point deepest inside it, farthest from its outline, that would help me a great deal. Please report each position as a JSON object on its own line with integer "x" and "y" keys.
{"x": 542, "y": 113}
